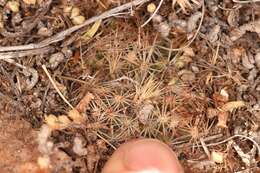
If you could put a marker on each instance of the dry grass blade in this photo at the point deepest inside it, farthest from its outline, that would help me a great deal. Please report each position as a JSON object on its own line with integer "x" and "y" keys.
{"x": 20, "y": 54}
{"x": 106, "y": 141}
{"x": 230, "y": 106}
{"x": 56, "y": 87}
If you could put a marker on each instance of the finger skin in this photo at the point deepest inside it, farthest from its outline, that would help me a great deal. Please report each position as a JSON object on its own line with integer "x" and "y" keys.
{"x": 142, "y": 155}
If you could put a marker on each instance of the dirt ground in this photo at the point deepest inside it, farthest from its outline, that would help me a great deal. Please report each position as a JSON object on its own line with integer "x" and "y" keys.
{"x": 185, "y": 72}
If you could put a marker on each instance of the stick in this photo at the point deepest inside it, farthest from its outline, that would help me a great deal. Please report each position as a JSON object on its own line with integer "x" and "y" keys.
{"x": 20, "y": 54}
{"x": 61, "y": 35}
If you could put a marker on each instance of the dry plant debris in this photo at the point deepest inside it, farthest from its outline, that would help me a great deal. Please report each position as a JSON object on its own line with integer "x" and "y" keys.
{"x": 79, "y": 78}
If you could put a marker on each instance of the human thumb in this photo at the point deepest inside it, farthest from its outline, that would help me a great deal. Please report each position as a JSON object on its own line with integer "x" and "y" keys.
{"x": 143, "y": 156}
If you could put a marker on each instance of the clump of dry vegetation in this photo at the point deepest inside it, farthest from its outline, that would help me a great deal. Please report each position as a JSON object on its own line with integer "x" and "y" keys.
{"x": 188, "y": 77}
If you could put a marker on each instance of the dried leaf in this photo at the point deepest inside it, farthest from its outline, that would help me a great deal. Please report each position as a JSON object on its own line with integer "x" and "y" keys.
{"x": 247, "y": 61}
{"x": 233, "y": 18}
{"x": 230, "y": 106}
{"x": 217, "y": 157}
{"x": 92, "y": 31}
{"x": 222, "y": 119}
{"x": 192, "y": 22}
{"x": 57, "y": 123}
{"x": 78, "y": 20}
{"x": 74, "y": 12}
{"x": 83, "y": 104}
{"x": 76, "y": 116}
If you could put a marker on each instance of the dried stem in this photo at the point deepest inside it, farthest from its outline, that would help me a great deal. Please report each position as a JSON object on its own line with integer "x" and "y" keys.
{"x": 245, "y": 2}
{"x": 61, "y": 35}
{"x": 20, "y": 54}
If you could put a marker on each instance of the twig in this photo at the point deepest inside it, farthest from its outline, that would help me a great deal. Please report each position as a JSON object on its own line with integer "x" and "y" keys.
{"x": 231, "y": 138}
{"x": 195, "y": 35}
{"x": 20, "y": 54}
{"x": 55, "y": 86}
{"x": 244, "y": 2}
{"x": 228, "y": 139}
{"x": 154, "y": 13}
{"x": 210, "y": 138}
{"x": 235, "y": 136}
{"x": 60, "y": 36}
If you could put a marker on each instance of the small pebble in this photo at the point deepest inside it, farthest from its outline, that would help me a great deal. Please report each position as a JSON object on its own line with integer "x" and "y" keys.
{"x": 78, "y": 20}
{"x": 55, "y": 60}
{"x": 74, "y": 12}
{"x": 151, "y": 7}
